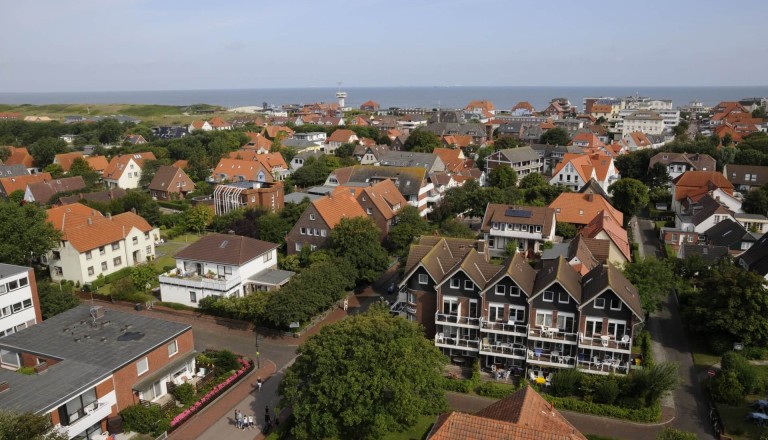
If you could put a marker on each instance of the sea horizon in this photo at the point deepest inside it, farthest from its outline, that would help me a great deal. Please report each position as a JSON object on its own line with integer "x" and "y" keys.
{"x": 443, "y": 96}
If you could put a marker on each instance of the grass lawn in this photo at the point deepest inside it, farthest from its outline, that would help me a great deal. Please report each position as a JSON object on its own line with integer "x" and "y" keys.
{"x": 734, "y": 420}
{"x": 167, "y": 250}
{"x": 703, "y": 359}
{"x": 161, "y": 114}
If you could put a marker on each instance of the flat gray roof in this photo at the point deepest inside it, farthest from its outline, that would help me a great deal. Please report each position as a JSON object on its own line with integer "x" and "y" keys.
{"x": 7, "y": 270}
{"x": 273, "y": 277}
{"x": 297, "y": 197}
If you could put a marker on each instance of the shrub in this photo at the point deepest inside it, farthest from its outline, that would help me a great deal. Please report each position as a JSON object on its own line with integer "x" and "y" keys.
{"x": 457, "y": 385}
{"x": 495, "y": 390}
{"x": 185, "y": 393}
{"x": 647, "y": 414}
{"x": 566, "y": 382}
{"x": 225, "y": 361}
{"x": 746, "y": 373}
{"x": 720, "y": 343}
{"x": 26, "y": 370}
{"x": 120, "y": 274}
{"x": 755, "y": 353}
{"x": 175, "y": 306}
{"x": 144, "y": 420}
{"x": 607, "y": 391}
{"x": 675, "y": 434}
{"x": 726, "y": 388}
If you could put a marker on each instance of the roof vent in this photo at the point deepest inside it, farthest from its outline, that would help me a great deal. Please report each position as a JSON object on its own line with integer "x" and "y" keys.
{"x": 130, "y": 336}
{"x": 223, "y": 244}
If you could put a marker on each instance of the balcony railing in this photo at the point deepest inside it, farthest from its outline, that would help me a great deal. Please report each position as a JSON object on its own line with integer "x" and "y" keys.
{"x": 503, "y": 349}
{"x": 195, "y": 280}
{"x": 452, "y": 341}
{"x": 92, "y": 414}
{"x": 552, "y": 333}
{"x": 603, "y": 366}
{"x": 553, "y": 358}
{"x": 504, "y": 327}
{"x": 608, "y": 342}
{"x": 446, "y": 318}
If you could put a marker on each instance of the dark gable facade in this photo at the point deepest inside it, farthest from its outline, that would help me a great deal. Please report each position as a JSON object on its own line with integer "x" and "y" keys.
{"x": 311, "y": 230}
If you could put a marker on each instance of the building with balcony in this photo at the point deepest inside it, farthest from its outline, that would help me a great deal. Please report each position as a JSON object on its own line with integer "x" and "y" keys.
{"x": 527, "y": 226}
{"x": 679, "y": 163}
{"x": 90, "y": 363}
{"x": 511, "y": 316}
{"x": 93, "y": 244}
{"x": 19, "y": 303}
{"x": 221, "y": 265}
{"x": 524, "y": 160}
{"x": 248, "y": 194}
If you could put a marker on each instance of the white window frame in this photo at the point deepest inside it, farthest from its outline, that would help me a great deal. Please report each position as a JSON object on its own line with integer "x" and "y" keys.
{"x": 560, "y": 298}
{"x": 618, "y": 301}
{"x": 500, "y": 289}
{"x": 543, "y": 318}
{"x": 311, "y": 216}
{"x": 496, "y": 312}
{"x": 517, "y": 313}
{"x": 599, "y": 303}
{"x": 173, "y": 348}
{"x": 469, "y": 285}
{"x": 142, "y": 366}
{"x": 514, "y": 291}
{"x": 303, "y": 231}
{"x": 455, "y": 283}
{"x": 551, "y": 296}
{"x": 192, "y": 296}
{"x": 423, "y": 279}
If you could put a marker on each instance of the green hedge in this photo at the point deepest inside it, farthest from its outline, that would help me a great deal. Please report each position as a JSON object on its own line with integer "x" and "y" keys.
{"x": 457, "y": 385}
{"x": 176, "y": 306}
{"x": 179, "y": 206}
{"x": 495, "y": 390}
{"x": 111, "y": 278}
{"x": 645, "y": 349}
{"x": 642, "y": 415}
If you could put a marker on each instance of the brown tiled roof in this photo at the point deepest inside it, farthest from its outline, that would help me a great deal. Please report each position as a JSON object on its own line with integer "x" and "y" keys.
{"x": 640, "y": 139}
{"x": 226, "y": 249}
{"x": 268, "y": 160}
{"x": 370, "y": 103}
{"x": 343, "y": 174}
{"x": 607, "y": 276}
{"x": 453, "y": 159}
{"x": 42, "y": 192}
{"x": 521, "y": 273}
{"x": 736, "y": 174}
{"x": 100, "y": 196}
{"x": 341, "y": 135}
{"x": 523, "y": 105}
{"x": 558, "y": 270}
{"x": 571, "y": 206}
{"x": 217, "y": 122}
{"x": 257, "y": 141}
{"x": 384, "y": 195}
{"x": 98, "y": 163}
{"x": 578, "y": 248}
{"x": 524, "y": 415}
{"x": 599, "y": 248}
{"x": 337, "y": 206}
{"x": 272, "y": 131}
{"x": 87, "y": 229}
{"x": 604, "y": 222}
{"x": 693, "y": 181}
{"x": 118, "y": 163}
{"x": 20, "y": 156}
{"x": 497, "y": 213}
{"x": 483, "y": 104}
{"x": 181, "y": 163}
{"x": 65, "y": 159}
{"x": 438, "y": 255}
{"x": 11, "y": 184}
{"x": 165, "y": 178}
{"x": 478, "y": 269}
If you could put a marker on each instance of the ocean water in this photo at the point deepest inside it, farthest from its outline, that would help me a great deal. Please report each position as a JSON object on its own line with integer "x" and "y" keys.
{"x": 429, "y": 97}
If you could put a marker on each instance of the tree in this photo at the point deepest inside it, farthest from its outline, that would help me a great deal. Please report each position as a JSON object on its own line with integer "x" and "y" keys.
{"x": 629, "y": 196}
{"x": 141, "y": 202}
{"x": 5, "y": 153}
{"x": 422, "y": 141}
{"x": 345, "y": 150}
{"x": 408, "y": 225}
{"x": 363, "y": 377}
{"x": 25, "y": 232}
{"x": 654, "y": 280}
{"x": 357, "y": 240}
{"x": 503, "y": 177}
{"x": 198, "y": 218}
{"x": 454, "y": 228}
{"x": 110, "y": 131}
{"x": 555, "y": 136}
{"x": 55, "y": 298}
{"x": 54, "y": 170}
{"x": 27, "y": 426}
{"x": 658, "y": 176}
{"x": 46, "y": 149}
{"x": 533, "y": 180}
{"x": 727, "y": 140}
{"x": 565, "y": 230}
{"x": 482, "y": 155}
{"x": 756, "y": 202}
{"x": 143, "y": 275}
{"x": 731, "y": 302}
{"x": 149, "y": 170}
{"x": 759, "y": 113}
{"x": 506, "y": 142}
{"x": 80, "y": 167}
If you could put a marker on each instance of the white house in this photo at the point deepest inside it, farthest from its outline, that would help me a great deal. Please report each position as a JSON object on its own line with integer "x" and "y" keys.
{"x": 199, "y": 125}
{"x": 125, "y": 171}
{"x": 222, "y": 265}
{"x": 19, "y": 303}
{"x": 702, "y": 215}
{"x": 528, "y": 226}
{"x": 93, "y": 244}
{"x": 577, "y": 169}
{"x": 648, "y": 122}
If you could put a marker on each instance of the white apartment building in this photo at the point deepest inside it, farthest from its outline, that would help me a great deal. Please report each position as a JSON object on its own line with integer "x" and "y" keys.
{"x": 19, "y": 303}
{"x": 222, "y": 265}
{"x": 93, "y": 244}
{"x": 649, "y": 122}
{"x": 125, "y": 171}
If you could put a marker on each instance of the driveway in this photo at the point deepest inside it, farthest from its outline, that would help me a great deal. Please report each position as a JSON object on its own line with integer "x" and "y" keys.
{"x": 646, "y": 237}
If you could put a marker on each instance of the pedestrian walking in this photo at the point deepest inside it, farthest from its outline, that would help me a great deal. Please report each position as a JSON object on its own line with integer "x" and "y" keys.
{"x": 250, "y": 422}
{"x": 258, "y": 383}
{"x": 266, "y": 409}
{"x": 267, "y": 420}
{"x": 346, "y": 304}
{"x": 238, "y": 419}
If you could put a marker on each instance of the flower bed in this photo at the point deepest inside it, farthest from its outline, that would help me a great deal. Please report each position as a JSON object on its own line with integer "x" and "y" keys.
{"x": 211, "y": 396}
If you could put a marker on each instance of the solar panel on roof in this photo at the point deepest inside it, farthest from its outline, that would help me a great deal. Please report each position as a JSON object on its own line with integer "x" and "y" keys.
{"x": 518, "y": 213}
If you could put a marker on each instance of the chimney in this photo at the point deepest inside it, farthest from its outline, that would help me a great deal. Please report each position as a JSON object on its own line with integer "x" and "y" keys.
{"x": 590, "y": 197}
{"x": 482, "y": 248}
{"x": 109, "y": 216}
{"x": 41, "y": 368}
{"x": 90, "y": 221}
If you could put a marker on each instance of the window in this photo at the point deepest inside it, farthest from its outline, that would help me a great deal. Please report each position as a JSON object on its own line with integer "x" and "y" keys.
{"x": 524, "y": 228}
{"x": 142, "y": 366}
{"x": 16, "y": 307}
{"x": 455, "y": 283}
{"x": 297, "y": 247}
{"x": 544, "y": 318}
{"x": 549, "y": 296}
{"x": 617, "y": 328}
{"x": 423, "y": 279}
{"x": 496, "y": 312}
{"x": 149, "y": 250}
{"x": 117, "y": 261}
{"x": 88, "y": 255}
{"x": 303, "y": 231}
{"x": 102, "y": 251}
{"x": 450, "y": 305}
{"x": 91, "y": 271}
{"x": 146, "y": 236}
{"x": 135, "y": 240}
{"x": 173, "y": 348}
{"x": 323, "y": 233}
{"x": 13, "y": 285}
{"x": 192, "y": 296}
{"x": 57, "y": 270}
{"x": 562, "y": 297}
{"x": 599, "y": 303}
{"x": 2, "y": 288}
{"x": 103, "y": 266}
{"x": 500, "y": 289}
{"x": 468, "y": 285}
{"x": 690, "y": 238}
{"x": 615, "y": 304}
{"x": 27, "y": 303}
{"x": 369, "y": 211}
{"x": 317, "y": 232}
{"x": 517, "y": 313}
{"x": 23, "y": 282}
{"x": 491, "y": 243}
{"x": 267, "y": 256}
{"x": 9, "y": 358}
{"x": 565, "y": 322}
{"x": 594, "y": 327}
{"x": 115, "y": 246}
{"x": 311, "y": 216}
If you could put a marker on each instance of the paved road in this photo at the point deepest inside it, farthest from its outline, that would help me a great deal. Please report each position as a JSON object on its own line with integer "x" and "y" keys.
{"x": 669, "y": 343}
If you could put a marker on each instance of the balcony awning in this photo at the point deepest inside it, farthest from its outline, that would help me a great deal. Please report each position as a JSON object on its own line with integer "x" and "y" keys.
{"x": 177, "y": 363}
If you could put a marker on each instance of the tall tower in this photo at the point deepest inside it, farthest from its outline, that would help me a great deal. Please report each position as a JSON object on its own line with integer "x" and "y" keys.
{"x": 341, "y": 96}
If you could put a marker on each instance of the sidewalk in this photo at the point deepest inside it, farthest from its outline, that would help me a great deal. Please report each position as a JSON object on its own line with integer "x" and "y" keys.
{"x": 222, "y": 411}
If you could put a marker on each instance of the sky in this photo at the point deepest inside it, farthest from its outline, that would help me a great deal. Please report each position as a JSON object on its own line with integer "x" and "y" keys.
{"x": 116, "y": 45}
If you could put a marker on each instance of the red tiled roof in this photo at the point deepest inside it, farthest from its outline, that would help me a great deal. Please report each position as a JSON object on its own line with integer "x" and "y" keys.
{"x": 524, "y": 105}
{"x": 617, "y": 234}
{"x": 118, "y": 163}
{"x": 87, "y": 229}
{"x": 98, "y": 163}
{"x": 342, "y": 135}
{"x": 580, "y": 209}
{"x": 695, "y": 181}
{"x": 20, "y": 156}
{"x": 587, "y": 137}
{"x": 482, "y": 104}
{"x": 65, "y": 159}
{"x": 268, "y": 160}
{"x": 11, "y": 184}
{"x": 337, "y": 206}
{"x": 247, "y": 169}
